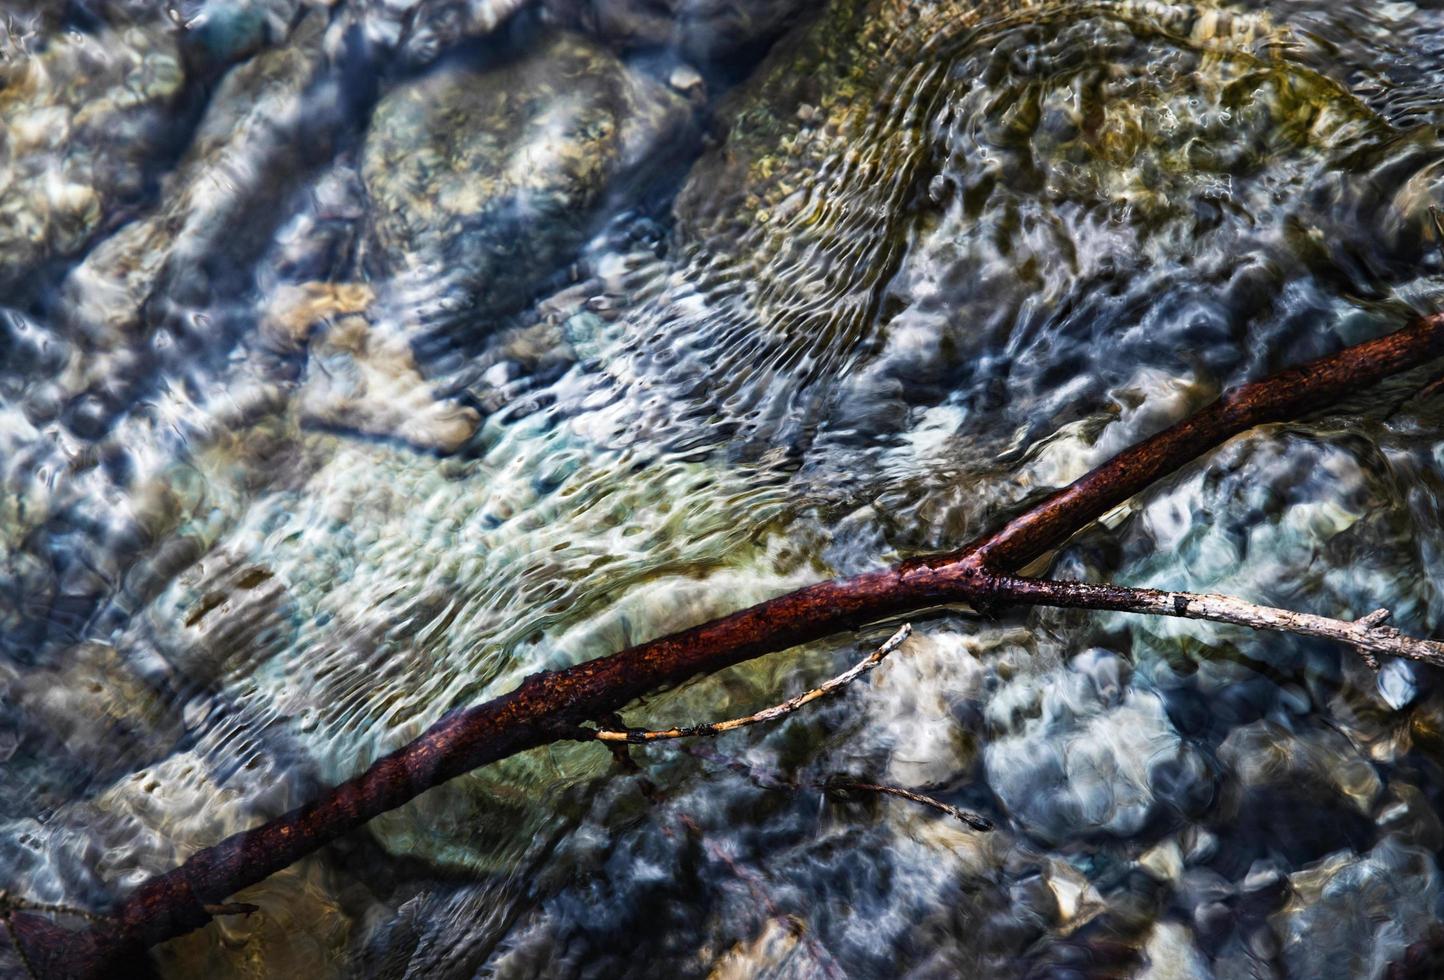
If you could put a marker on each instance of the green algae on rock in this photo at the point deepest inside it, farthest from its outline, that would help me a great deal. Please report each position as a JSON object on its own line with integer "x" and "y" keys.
{"x": 905, "y": 194}
{"x": 835, "y": 157}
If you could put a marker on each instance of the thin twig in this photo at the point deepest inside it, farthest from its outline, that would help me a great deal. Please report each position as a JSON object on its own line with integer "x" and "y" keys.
{"x": 975, "y": 820}
{"x": 1368, "y": 634}
{"x": 19, "y": 947}
{"x": 13, "y": 903}
{"x": 636, "y": 735}
{"x": 754, "y": 883}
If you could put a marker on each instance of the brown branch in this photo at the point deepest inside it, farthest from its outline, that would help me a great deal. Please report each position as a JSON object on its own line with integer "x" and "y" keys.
{"x": 1287, "y": 395}
{"x": 1368, "y": 634}
{"x": 638, "y": 735}
{"x": 975, "y": 820}
{"x": 550, "y": 706}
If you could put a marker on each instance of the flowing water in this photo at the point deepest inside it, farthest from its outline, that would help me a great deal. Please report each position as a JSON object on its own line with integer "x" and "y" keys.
{"x": 359, "y": 358}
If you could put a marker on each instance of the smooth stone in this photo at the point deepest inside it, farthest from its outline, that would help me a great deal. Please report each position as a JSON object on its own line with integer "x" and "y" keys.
{"x": 1171, "y": 955}
{"x": 271, "y": 122}
{"x": 1351, "y": 914}
{"x": 89, "y": 118}
{"x": 417, "y": 32}
{"x": 485, "y": 179}
{"x": 1068, "y": 759}
{"x": 707, "y": 30}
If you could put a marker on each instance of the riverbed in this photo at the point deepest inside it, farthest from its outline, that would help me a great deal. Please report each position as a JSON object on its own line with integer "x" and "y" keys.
{"x": 361, "y": 358}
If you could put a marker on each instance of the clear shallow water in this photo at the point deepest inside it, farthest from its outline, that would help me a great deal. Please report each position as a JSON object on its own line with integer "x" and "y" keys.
{"x": 358, "y": 361}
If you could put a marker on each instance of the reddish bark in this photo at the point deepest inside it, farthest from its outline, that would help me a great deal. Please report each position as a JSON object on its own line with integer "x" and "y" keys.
{"x": 1277, "y": 398}
{"x": 548, "y": 707}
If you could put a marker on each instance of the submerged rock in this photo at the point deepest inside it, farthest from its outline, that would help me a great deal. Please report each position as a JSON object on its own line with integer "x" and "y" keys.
{"x": 950, "y": 200}
{"x": 836, "y": 188}
{"x": 1078, "y": 754}
{"x": 1353, "y": 914}
{"x": 363, "y": 378}
{"x": 485, "y": 179}
{"x": 77, "y": 725}
{"x": 1272, "y": 772}
{"x": 270, "y": 123}
{"x": 89, "y": 119}
{"x": 416, "y": 32}
{"x": 218, "y": 32}
{"x": 156, "y": 309}
{"x": 1171, "y": 955}
{"x": 705, "y": 30}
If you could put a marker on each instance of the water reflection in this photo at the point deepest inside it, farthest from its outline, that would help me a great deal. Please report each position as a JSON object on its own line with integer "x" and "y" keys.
{"x": 361, "y": 359}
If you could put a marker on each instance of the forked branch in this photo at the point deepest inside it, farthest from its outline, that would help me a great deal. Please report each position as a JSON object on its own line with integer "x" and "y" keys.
{"x": 550, "y": 707}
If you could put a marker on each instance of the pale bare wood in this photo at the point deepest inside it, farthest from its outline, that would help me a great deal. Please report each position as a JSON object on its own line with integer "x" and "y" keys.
{"x": 1367, "y": 635}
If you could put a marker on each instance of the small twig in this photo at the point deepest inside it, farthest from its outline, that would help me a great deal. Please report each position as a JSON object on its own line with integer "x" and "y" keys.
{"x": 754, "y": 883}
{"x": 19, "y": 947}
{"x": 636, "y": 735}
{"x": 1375, "y": 619}
{"x": 975, "y": 820}
{"x": 1368, "y": 635}
{"x": 11, "y": 903}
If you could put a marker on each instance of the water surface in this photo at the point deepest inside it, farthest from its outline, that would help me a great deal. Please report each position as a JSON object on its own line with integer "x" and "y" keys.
{"x": 359, "y": 359}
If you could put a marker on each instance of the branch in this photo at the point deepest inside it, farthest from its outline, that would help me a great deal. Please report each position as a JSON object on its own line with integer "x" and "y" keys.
{"x": 975, "y": 820}
{"x": 1368, "y": 634}
{"x": 1280, "y": 397}
{"x": 637, "y": 735}
{"x": 548, "y": 707}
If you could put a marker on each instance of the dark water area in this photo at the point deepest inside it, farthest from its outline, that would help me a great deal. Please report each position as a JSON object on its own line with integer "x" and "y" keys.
{"x": 360, "y": 358}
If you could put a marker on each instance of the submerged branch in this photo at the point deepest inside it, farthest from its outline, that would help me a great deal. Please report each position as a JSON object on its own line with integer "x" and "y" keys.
{"x": 549, "y": 707}
{"x": 1368, "y": 634}
{"x": 974, "y": 820}
{"x": 639, "y": 735}
{"x": 1281, "y": 397}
